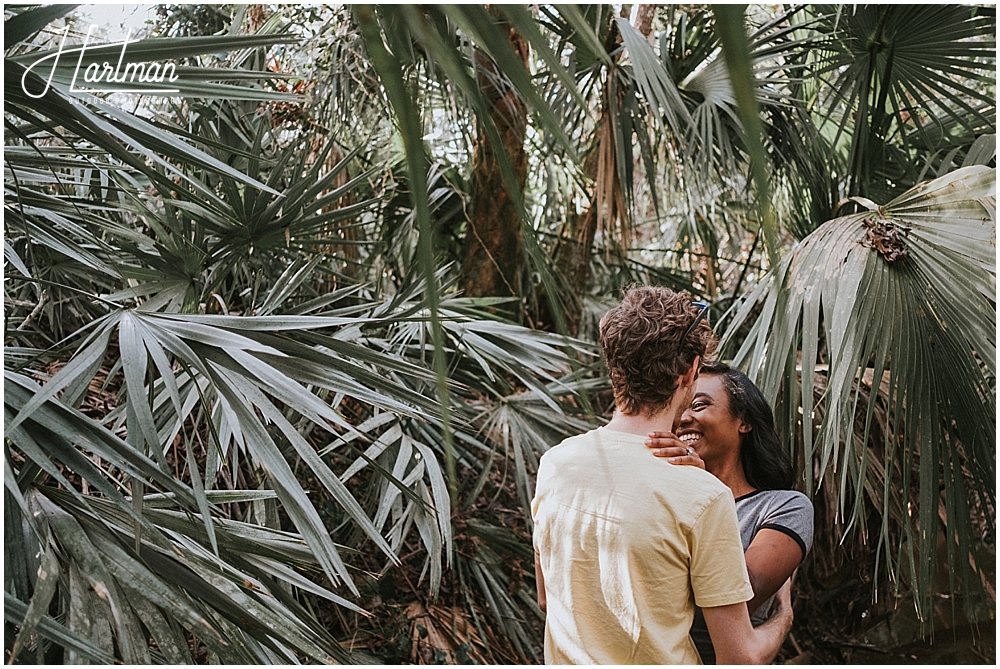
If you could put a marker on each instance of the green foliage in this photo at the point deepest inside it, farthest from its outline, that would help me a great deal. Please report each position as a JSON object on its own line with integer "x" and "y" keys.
{"x": 890, "y": 298}
{"x": 895, "y": 78}
{"x": 240, "y": 386}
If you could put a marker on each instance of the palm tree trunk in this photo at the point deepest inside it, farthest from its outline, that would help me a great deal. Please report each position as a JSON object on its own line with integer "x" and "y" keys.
{"x": 492, "y": 255}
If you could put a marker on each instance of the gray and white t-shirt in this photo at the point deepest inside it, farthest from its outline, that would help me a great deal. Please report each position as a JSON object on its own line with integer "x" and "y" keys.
{"x": 787, "y": 511}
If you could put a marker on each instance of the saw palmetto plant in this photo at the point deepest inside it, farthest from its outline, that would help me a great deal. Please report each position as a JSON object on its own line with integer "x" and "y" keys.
{"x": 194, "y": 452}
{"x": 276, "y": 391}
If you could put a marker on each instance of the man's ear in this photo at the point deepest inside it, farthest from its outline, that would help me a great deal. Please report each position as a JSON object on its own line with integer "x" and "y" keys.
{"x": 691, "y": 375}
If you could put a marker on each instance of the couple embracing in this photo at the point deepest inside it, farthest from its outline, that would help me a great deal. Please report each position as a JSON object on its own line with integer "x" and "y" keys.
{"x": 669, "y": 535}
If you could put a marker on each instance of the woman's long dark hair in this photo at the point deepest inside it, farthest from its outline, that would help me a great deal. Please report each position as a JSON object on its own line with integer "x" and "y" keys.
{"x": 765, "y": 464}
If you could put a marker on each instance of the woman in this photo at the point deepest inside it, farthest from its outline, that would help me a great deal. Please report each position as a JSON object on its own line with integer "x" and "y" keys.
{"x": 729, "y": 430}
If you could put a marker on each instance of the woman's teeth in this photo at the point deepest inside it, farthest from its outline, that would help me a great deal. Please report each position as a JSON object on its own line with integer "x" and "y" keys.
{"x": 690, "y": 437}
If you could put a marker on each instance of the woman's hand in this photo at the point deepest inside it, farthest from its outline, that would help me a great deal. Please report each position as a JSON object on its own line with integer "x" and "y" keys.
{"x": 667, "y": 445}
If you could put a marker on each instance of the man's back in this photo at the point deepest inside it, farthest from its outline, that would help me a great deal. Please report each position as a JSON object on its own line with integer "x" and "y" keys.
{"x": 628, "y": 544}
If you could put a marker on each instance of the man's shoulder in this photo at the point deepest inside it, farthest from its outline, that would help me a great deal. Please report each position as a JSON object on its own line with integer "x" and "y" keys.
{"x": 694, "y": 488}
{"x": 694, "y": 481}
{"x": 569, "y": 444}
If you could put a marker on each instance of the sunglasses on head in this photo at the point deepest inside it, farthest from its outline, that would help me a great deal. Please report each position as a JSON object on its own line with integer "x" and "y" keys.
{"x": 701, "y": 314}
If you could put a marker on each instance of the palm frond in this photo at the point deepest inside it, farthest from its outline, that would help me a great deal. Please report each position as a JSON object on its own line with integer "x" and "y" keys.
{"x": 901, "y": 294}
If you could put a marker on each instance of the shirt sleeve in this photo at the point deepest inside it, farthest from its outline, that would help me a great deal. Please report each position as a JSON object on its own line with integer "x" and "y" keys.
{"x": 718, "y": 570}
{"x": 794, "y": 517}
{"x": 536, "y": 501}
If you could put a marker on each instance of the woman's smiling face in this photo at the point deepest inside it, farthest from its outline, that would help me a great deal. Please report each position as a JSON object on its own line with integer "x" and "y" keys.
{"x": 708, "y": 425}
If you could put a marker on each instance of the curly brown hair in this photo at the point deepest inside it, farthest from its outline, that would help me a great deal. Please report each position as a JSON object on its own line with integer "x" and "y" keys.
{"x": 641, "y": 337}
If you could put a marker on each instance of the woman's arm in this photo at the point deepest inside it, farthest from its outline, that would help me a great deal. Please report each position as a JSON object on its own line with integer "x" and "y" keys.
{"x": 771, "y": 558}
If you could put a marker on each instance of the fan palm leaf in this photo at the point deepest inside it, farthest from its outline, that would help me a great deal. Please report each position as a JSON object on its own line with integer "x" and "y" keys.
{"x": 891, "y": 70}
{"x": 901, "y": 294}
{"x": 138, "y": 560}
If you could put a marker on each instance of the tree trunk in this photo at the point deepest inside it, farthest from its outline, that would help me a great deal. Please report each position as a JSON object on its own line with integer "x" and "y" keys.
{"x": 492, "y": 254}
{"x": 644, "y": 19}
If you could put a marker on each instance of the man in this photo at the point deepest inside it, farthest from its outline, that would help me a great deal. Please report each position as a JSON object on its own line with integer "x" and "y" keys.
{"x": 626, "y": 545}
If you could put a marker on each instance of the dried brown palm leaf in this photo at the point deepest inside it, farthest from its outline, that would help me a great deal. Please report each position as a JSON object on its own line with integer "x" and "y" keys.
{"x": 445, "y": 635}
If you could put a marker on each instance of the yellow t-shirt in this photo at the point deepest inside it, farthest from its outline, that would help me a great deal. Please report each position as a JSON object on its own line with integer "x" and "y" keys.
{"x": 629, "y": 543}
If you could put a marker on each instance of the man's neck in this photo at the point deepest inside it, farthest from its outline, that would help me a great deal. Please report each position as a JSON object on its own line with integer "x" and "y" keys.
{"x": 642, "y": 424}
